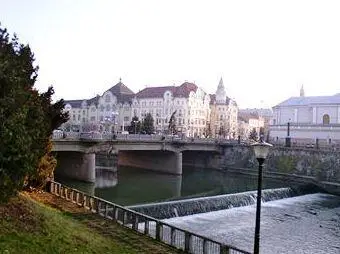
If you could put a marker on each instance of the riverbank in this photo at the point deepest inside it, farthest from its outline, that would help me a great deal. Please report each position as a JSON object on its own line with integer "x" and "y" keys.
{"x": 329, "y": 187}
{"x": 43, "y": 223}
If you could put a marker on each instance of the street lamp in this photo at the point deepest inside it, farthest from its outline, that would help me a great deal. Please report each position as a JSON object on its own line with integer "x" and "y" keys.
{"x": 135, "y": 122}
{"x": 261, "y": 150}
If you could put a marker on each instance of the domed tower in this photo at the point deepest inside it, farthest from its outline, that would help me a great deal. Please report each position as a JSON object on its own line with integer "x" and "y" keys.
{"x": 220, "y": 93}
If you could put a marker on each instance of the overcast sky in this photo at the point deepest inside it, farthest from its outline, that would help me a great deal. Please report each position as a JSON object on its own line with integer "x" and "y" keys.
{"x": 264, "y": 50}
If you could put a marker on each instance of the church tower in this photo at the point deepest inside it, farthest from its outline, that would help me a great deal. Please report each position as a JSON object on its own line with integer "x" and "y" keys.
{"x": 302, "y": 91}
{"x": 220, "y": 93}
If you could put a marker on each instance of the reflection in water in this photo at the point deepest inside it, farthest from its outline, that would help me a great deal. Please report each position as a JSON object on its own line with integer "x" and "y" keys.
{"x": 105, "y": 178}
{"x": 130, "y": 186}
{"x": 140, "y": 186}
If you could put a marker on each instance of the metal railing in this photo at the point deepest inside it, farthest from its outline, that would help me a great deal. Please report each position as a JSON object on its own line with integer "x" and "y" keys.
{"x": 96, "y": 136}
{"x": 149, "y": 226}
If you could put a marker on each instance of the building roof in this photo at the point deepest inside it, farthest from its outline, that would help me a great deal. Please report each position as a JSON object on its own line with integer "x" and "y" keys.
{"x": 303, "y": 101}
{"x": 245, "y": 116}
{"x": 213, "y": 100}
{"x": 158, "y": 92}
{"x": 264, "y": 112}
{"x": 74, "y": 103}
{"x": 121, "y": 91}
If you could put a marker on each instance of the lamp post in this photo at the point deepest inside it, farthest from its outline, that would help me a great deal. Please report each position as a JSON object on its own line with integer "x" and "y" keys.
{"x": 113, "y": 120}
{"x": 135, "y": 122}
{"x": 261, "y": 150}
{"x": 288, "y": 143}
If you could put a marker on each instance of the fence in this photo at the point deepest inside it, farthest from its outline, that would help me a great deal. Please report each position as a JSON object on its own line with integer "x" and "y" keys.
{"x": 163, "y": 232}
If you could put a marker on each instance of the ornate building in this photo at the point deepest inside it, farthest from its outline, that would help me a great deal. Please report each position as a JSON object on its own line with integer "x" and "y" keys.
{"x": 114, "y": 109}
{"x": 109, "y": 112}
{"x": 190, "y": 103}
{"x": 223, "y": 114}
{"x": 310, "y": 118}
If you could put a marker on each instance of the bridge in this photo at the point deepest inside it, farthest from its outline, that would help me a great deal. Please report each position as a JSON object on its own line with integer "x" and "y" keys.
{"x": 76, "y": 152}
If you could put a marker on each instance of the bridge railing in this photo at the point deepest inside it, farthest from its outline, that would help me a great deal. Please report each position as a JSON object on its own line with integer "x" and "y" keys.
{"x": 97, "y": 136}
{"x": 161, "y": 231}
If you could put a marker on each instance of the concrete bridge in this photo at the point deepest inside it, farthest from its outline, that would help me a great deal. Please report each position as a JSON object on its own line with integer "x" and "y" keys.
{"x": 76, "y": 154}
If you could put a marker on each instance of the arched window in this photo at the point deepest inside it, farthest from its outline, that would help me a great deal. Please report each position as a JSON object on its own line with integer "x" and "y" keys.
{"x": 325, "y": 119}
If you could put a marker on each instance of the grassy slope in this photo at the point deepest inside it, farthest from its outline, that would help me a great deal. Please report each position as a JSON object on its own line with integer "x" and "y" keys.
{"x": 30, "y": 227}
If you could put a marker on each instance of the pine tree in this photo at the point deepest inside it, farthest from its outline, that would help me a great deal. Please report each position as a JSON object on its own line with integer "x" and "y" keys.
{"x": 135, "y": 125}
{"x": 148, "y": 124}
{"x": 27, "y": 118}
{"x": 172, "y": 124}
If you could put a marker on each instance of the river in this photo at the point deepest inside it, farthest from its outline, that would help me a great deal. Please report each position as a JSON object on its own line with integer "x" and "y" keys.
{"x": 301, "y": 224}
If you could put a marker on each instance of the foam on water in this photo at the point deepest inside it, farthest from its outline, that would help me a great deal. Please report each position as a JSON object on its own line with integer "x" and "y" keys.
{"x": 302, "y": 224}
{"x": 214, "y": 203}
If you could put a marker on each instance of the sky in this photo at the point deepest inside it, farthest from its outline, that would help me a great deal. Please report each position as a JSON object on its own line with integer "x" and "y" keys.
{"x": 263, "y": 50}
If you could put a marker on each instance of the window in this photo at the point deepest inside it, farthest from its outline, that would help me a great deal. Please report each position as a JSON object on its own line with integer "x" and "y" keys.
{"x": 74, "y": 117}
{"x": 325, "y": 119}
{"x": 126, "y": 118}
{"x": 93, "y": 118}
{"x": 108, "y": 107}
{"x": 101, "y": 108}
{"x": 93, "y": 109}
{"x": 107, "y": 98}
{"x": 78, "y": 117}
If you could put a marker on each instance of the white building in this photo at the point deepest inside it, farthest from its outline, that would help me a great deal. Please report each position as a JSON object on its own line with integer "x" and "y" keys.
{"x": 109, "y": 112}
{"x": 190, "y": 103}
{"x": 223, "y": 114}
{"x": 310, "y": 118}
{"x": 249, "y": 120}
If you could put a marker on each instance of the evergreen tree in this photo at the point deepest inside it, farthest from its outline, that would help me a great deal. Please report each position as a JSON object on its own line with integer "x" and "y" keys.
{"x": 135, "y": 125}
{"x": 27, "y": 118}
{"x": 253, "y": 135}
{"x": 262, "y": 131}
{"x": 147, "y": 126}
{"x": 172, "y": 124}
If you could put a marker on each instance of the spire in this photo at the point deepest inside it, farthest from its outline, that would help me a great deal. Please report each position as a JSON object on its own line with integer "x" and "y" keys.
{"x": 302, "y": 91}
{"x": 220, "y": 92}
{"x": 220, "y": 85}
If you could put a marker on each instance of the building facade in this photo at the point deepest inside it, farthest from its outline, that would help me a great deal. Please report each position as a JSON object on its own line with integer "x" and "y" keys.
{"x": 309, "y": 118}
{"x": 110, "y": 112}
{"x": 249, "y": 120}
{"x": 197, "y": 113}
{"x": 189, "y": 102}
{"x": 223, "y": 114}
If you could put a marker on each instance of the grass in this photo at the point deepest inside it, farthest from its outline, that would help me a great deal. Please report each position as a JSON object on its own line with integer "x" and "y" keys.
{"x": 29, "y": 226}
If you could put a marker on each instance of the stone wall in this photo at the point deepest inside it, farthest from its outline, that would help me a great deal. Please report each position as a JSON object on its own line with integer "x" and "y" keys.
{"x": 322, "y": 165}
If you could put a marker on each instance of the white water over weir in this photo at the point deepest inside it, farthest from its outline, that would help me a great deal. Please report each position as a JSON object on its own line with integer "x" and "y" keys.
{"x": 170, "y": 209}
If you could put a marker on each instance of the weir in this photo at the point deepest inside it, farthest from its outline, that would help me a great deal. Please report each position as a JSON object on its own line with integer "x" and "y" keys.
{"x": 165, "y": 210}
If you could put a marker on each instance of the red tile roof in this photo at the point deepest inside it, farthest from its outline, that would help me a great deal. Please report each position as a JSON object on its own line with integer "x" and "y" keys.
{"x": 177, "y": 91}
